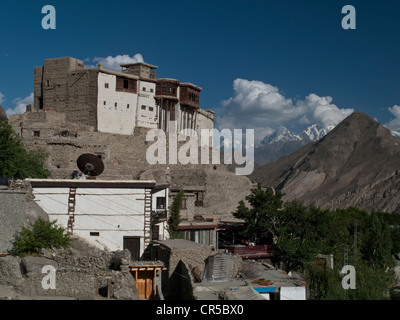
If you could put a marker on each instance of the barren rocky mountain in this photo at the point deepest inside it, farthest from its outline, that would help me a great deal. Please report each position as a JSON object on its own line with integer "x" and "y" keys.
{"x": 356, "y": 164}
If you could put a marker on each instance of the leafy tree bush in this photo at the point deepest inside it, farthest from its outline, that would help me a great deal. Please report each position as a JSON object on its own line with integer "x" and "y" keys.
{"x": 264, "y": 219}
{"x": 301, "y": 232}
{"x": 15, "y": 161}
{"x": 41, "y": 235}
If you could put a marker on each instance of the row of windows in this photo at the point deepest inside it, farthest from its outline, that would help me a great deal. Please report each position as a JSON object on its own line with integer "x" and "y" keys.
{"x": 151, "y": 109}
{"x": 193, "y": 97}
{"x": 199, "y": 236}
{"x": 199, "y": 202}
{"x": 128, "y": 84}
{"x": 116, "y": 104}
{"x": 166, "y": 89}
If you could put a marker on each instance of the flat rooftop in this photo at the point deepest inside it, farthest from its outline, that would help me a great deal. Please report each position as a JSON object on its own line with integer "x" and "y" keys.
{"x": 127, "y": 65}
{"x": 180, "y": 244}
{"x": 89, "y": 183}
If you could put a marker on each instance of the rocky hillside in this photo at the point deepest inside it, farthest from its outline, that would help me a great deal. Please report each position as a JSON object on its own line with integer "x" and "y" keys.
{"x": 356, "y": 164}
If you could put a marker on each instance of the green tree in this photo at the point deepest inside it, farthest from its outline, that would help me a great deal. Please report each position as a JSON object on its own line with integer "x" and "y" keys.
{"x": 300, "y": 236}
{"x": 15, "y": 161}
{"x": 174, "y": 215}
{"x": 263, "y": 219}
{"x": 371, "y": 283}
{"x": 372, "y": 257}
{"x": 41, "y": 235}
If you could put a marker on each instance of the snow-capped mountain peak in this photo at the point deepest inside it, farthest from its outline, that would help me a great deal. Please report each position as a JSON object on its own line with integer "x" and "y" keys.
{"x": 314, "y": 133}
{"x": 283, "y": 142}
{"x": 395, "y": 133}
{"x": 282, "y": 134}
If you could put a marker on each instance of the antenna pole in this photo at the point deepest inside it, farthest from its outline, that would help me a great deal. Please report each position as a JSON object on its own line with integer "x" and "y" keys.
{"x": 355, "y": 244}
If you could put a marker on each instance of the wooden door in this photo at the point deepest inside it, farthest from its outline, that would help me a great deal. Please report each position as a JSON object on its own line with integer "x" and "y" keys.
{"x": 133, "y": 245}
{"x": 144, "y": 284}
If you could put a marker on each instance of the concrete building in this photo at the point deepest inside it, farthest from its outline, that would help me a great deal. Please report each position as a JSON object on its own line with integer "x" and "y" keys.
{"x": 117, "y": 102}
{"x": 112, "y": 215}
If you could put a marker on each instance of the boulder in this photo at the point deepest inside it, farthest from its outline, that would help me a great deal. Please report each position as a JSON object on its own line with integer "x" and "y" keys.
{"x": 10, "y": 271}
{"x": 32, "y": 266}
{"x": 120, "y": 259}
{"x": 124, "y": 293}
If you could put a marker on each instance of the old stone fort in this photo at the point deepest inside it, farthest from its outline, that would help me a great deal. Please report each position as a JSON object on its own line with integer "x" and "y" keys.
{"x": 80, "y": 110}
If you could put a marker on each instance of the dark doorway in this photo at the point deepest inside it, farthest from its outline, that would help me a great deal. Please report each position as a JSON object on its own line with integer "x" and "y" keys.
{"x": 133, "y": 245}
{"x": 155, "y": 233}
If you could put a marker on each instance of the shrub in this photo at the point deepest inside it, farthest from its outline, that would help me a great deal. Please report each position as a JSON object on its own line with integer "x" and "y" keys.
{"x": 15, "y": 161}
{"x": 41, "y": 235}
{"x": 174, "y": 215}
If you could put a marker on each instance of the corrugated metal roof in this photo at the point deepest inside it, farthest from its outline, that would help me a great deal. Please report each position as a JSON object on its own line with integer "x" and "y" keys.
{"x": 244, "y": 293}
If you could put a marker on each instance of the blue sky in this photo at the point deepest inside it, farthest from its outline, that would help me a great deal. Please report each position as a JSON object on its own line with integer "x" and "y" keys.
{"x": 261, "y": 64}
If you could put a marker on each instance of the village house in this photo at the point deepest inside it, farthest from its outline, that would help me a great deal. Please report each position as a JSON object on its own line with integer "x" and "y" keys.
{"x": 111, "y": 215}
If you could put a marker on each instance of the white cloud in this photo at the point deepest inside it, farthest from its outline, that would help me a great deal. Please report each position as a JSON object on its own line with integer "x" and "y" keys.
{"x": 261, "y": 106}
{"x": 1, "y": 98}
{"x": 394, "y": 124}
{"x": 321, "y": 111}
{"x": 255, "y": 105}
{"x": 113, "y": 63}
{"x": 20, "y": 105}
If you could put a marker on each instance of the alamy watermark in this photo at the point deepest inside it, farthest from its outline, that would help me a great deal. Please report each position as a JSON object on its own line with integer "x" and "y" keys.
{"x": 349, "y": 279}
{"x": 349, "y": 20}
{"x": 49, "y": 20}
{"x": 208, "y": 139}
{"x": 49, "y": 280}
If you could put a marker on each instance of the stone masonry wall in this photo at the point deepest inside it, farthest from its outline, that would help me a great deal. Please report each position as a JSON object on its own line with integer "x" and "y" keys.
{"x": 17, "y": 210}
{"x": 12, "y": 217}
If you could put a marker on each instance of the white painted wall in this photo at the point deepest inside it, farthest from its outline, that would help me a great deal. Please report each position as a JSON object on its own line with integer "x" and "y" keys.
{"x": 114, "y": 213}
{"x": 111, "y": 119}
{"x": 147, "y": 117}
{"x": 293, "y": 293}
{"x": 203, "y": 122}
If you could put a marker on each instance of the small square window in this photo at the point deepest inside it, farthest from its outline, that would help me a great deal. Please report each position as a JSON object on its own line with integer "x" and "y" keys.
{"x": 116, "y": 104}
{"x": 36, "y": 133}
{"x": 106, "y": 85}
{"x": 151, "y": 90}
{"x": 127, "y": 106}
{"x": 151, "y": 109}
{"x": 95, "y": 234}
{"x": 105, "y": 103}
{"x": 143, "y": 107}
{"x": 144, "y": 88}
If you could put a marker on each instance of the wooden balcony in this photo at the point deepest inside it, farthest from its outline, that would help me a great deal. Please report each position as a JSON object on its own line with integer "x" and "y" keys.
{"x": 252, "y": 252}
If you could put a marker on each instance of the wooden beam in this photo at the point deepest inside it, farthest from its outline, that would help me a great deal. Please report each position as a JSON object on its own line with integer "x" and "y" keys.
{"x": 154, "y": 283}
